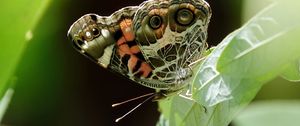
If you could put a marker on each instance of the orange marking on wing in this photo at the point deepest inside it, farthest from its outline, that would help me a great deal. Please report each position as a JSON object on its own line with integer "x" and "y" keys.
{"x": 135, "y": 49}
{"x": 160, "y": 31}
{"x": 146, "y": 69}
{"x": 191, "y": 7}
{"x": 161, "y": 12}
{"x": 132, "y": 62}
{"x": 128, "y": 35}
{"x": 124, "y": 49}
{"x": 121, "y": 41}
{"x": 126, "y": 27}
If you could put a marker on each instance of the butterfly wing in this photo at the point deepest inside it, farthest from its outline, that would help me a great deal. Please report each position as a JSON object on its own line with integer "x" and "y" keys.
{"x": 172, "y": 34}
{"x": 96, "y": 37}
{"x": 110, "y": 42}
{"x": 151, "y": 44}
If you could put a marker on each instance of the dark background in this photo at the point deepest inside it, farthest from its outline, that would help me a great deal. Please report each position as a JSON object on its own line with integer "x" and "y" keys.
{"x": 58, "y": 86}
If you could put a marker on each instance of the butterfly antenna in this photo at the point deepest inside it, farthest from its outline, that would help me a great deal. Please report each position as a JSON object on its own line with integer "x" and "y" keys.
{"x": 152, "y": 95}
{"x": 132, "y": 99}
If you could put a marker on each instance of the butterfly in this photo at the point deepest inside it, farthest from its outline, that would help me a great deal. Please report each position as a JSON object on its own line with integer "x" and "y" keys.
{"x": 153, "y": 44}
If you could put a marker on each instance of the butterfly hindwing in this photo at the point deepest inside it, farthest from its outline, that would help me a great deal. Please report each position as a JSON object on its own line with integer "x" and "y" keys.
{"x": 172, "y": 34}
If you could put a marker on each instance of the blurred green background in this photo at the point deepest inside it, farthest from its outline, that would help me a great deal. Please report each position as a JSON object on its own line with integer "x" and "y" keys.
{"x": 55, "y": 85}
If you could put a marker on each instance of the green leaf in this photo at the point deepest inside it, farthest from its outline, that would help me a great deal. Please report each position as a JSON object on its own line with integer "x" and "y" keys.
{"x": 178, "y": 111}
{"x": 234, "y": 72}
{"x": 268, "y": 41}
{"x": 18, "y": 21}
{"x": 212, "y": 90}
{"x": 270, "y": 113}
{"x": 292, "y": 73}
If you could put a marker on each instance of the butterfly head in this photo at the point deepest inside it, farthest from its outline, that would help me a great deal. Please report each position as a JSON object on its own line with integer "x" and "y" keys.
{"x": 91, "y": 38}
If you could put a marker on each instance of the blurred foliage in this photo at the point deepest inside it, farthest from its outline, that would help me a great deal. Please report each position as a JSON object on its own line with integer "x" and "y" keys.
{"x": 292, "y": 73}
{"x": 252, "y": 7}
{"x": 18, "y": 28}
{"x": 270, "y": 113}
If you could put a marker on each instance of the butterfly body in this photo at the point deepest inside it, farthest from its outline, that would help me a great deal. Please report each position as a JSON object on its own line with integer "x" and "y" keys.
{"x": 152, "y": 44}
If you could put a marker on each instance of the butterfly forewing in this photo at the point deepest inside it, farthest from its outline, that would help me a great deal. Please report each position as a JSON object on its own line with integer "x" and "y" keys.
{"x": 152, "y": 44}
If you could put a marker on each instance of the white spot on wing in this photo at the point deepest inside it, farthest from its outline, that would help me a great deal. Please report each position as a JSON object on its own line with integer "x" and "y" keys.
{"x": 105, "y": 33}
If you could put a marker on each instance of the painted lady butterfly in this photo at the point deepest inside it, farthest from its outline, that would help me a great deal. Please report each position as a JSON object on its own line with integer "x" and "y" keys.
{"x": 153, "y": 44}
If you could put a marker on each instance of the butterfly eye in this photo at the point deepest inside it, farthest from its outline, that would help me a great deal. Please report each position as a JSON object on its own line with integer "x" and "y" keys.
{"x": 96, "y": 32}
{"x": 155, "y": 22}
{"x": 184, "y": 17}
